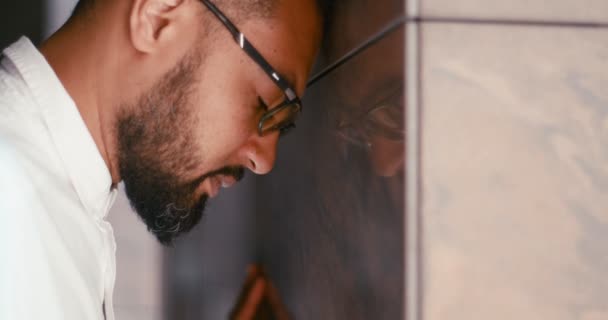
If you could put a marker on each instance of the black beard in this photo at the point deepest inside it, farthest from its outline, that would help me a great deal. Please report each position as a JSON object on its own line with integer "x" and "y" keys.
{"x": 156, "y": 144}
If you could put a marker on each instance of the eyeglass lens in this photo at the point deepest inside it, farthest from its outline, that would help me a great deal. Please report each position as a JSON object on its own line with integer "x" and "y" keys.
{"x": 280, "y": 118}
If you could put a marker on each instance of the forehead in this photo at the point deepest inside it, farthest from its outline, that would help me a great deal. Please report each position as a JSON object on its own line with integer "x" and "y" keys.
{"x": 288, "y": 40}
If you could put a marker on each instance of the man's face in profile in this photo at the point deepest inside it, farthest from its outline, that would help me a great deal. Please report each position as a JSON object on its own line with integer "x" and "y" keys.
{"x": 158, "y": 147}
{"x": 194, "y": 130}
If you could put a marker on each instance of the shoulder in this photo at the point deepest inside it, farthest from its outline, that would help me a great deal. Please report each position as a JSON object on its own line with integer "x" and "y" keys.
{"x": 16, "y": 99}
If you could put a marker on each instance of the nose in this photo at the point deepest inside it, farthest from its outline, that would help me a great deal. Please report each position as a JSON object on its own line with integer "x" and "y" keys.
{"x": 261, "y": 152}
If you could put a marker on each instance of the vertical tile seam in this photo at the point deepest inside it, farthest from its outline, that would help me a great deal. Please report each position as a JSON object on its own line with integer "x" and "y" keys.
{"x": 412, "y": 223}
{"x": 420, "y": 168}
{"x": 411, "y": 199}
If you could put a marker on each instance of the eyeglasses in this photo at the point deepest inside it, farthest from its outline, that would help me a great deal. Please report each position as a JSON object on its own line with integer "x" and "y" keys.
{"x": 281, "y": 117}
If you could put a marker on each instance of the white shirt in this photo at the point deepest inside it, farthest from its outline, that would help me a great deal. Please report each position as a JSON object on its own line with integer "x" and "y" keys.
{"x": 57, "y": 251}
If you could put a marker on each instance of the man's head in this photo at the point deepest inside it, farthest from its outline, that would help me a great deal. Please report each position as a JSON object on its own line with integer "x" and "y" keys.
{"x": 186, "y": 99}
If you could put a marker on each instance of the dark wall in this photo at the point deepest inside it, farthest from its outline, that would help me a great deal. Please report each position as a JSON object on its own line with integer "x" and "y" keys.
{"x": 23, "y": 17}
{"x": 205, "y": 271}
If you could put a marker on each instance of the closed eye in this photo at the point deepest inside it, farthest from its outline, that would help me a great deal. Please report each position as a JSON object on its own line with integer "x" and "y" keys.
{"x": 286, "y": 129}
{"x": 262, "y": 104}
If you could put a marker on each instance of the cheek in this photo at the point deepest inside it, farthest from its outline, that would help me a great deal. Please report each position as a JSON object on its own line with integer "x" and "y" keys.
{"x": 226, "y": 121}
{"x": 221, "y": 142}
{"x": 227, "y": 108}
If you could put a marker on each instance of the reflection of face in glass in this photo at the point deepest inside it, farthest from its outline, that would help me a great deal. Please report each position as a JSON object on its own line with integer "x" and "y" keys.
{"x": 367, "y": 90}
{"x": 368, "y": 112}
{"x": 379, "y": 130}
{"x": 358, "y": 160}
{"x": 360, "y": 177}
{"x": 365, "y": 111}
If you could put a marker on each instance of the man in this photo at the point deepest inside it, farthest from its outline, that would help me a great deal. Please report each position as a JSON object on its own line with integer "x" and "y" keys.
{"x": 167, "y": 96}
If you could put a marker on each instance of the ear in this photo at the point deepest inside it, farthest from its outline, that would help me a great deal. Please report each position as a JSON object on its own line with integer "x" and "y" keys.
{"x": 153, "y": 22}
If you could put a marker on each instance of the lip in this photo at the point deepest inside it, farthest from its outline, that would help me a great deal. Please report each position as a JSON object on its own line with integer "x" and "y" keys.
{"x": 227, "y": 181}
{"x": 214, "y": 186}
{"x": 217, "y": 183}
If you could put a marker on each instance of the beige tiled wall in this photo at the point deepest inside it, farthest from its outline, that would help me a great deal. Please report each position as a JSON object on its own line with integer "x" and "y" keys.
{"x": 514, "y": 170}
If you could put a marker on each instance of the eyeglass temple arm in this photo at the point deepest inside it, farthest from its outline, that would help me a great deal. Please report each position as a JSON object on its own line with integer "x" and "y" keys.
{"x": 252, "y": 51}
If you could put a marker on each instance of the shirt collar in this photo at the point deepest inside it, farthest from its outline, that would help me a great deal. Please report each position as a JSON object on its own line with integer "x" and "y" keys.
{"x": 77, "y": 149}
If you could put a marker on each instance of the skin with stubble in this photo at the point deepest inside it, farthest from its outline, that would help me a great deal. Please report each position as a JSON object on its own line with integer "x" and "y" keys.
{"x": 172, "y": 102}
{"x": 153, "y": 146}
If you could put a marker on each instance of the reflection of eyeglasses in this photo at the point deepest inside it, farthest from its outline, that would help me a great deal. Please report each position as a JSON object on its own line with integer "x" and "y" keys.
{"x": 281, "y": 117}
{"x": 383, "y": 120}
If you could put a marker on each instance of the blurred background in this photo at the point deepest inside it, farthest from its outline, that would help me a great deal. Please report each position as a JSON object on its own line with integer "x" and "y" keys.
{"x": 452, "y": 165}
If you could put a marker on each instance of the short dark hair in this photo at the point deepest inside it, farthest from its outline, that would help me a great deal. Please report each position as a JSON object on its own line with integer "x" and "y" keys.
{"x": 82, "y": 5}
{"x": 241, "y": 10}
{"x": 238, "y": 9}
